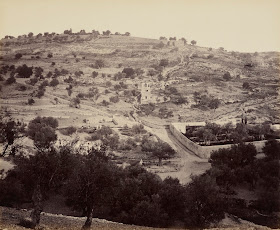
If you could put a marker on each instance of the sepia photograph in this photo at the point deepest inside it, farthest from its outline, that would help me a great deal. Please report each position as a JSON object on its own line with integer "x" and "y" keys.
{"x": 139, "y": 114}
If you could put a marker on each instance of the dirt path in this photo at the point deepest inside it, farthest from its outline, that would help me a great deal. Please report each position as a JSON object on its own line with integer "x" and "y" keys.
{"x": 189, "y": 164}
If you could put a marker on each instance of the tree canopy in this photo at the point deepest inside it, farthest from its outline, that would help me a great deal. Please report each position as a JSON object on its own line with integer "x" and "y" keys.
{"x": 42, "y": 131}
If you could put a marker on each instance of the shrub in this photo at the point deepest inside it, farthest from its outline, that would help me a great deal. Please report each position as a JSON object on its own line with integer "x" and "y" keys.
{"x": 78, "y": 73}
{"x": 44, "y": 84}
{"x": 114, "y": 99}
{"x": 33, "y": 81}
{"x": 193, "y": 42}
{"x": 164, "y": 62}
{"x": 30, "y": 101}
{"x": 50, "y": 55}
{"x": 158, "y": 45}
{"x": 94, "y": 74}
{"x": 128, "y": 71}
{"x": 108, "y": 84}
{"x": 81, "y": 95}
{"x": 246, "y": 85}
{"x": 99, "y": 64}
{"x": 40, "y": 93}
{"x": 21, "y": 88}
{"x": 227, "y": 76}
{"x": 24, "y": 71}
{"x": 49, "y": 74}
{"x": 68, "y": 131}
{"x": 54, "y": 82}
{"x": 18, "y": 56}
{"x": 53, "y": 63}
{"x": 165, "y": 113}
{"x": 10, "y": 80}
{"x": 105, "y": 103}
{"x": 148, "y": 109}
{"x": 75, "y": 102}
{"x": 138, "y": 129}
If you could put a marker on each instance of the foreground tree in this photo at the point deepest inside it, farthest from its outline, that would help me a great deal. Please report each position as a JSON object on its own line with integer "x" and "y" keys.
{"x": 10, "y": 131}
{"x": 272, "y": 149}
{"x": 203, "y": 202}
{"x": 91, "y": 183}
{"x": 36, "y": 175}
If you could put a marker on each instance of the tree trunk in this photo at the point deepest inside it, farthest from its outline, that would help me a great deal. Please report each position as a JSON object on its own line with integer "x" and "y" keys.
{"x": 88, "y": 222}
{"x": 159, "y": 161}
{"x": 4, "y": 152}
{"x": 38, "y": 207}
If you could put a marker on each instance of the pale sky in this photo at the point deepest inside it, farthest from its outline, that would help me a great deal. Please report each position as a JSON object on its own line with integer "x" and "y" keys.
{"x": 240, "y": 25}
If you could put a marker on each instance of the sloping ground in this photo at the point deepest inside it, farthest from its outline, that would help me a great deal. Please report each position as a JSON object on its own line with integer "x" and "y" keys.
{"x": 9, "y": 219}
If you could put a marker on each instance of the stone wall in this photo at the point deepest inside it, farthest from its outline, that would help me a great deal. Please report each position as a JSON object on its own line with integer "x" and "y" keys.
{"x": 205, "y": 151}
{"x": 195, "y": 148}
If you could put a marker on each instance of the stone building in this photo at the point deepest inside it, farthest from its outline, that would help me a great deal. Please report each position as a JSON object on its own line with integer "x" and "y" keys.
{"x": 146, "y": 93}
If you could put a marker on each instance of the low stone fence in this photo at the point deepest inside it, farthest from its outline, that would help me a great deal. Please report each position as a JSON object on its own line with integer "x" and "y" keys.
{"x": 152, "y": 124}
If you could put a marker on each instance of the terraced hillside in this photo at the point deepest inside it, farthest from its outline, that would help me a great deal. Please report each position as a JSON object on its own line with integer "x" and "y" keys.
{"x": 87, "y": 81}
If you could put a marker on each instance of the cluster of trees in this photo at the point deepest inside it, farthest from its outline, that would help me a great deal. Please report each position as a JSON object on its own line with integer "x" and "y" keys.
{"x": 107, "y": 135}
{"x": 204, "y": 101}
{"x": 164, "y": 112}
{"x": 95, "y": 186}
{"x": 93, "y": 93}
{"x": 128, "y": 72}
{"x": 213, "y": 133}
{"x": 24, "y": 71}
{"x": 238, "y": 166}
{"x": 147, "y": 109}
{"x": 173, "y": 39}
{"x": 175, "y": 96}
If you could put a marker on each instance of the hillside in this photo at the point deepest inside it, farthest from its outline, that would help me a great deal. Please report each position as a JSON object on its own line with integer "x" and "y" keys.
{"x": 106, "y": 93}
{"x": 124, "y": 92}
